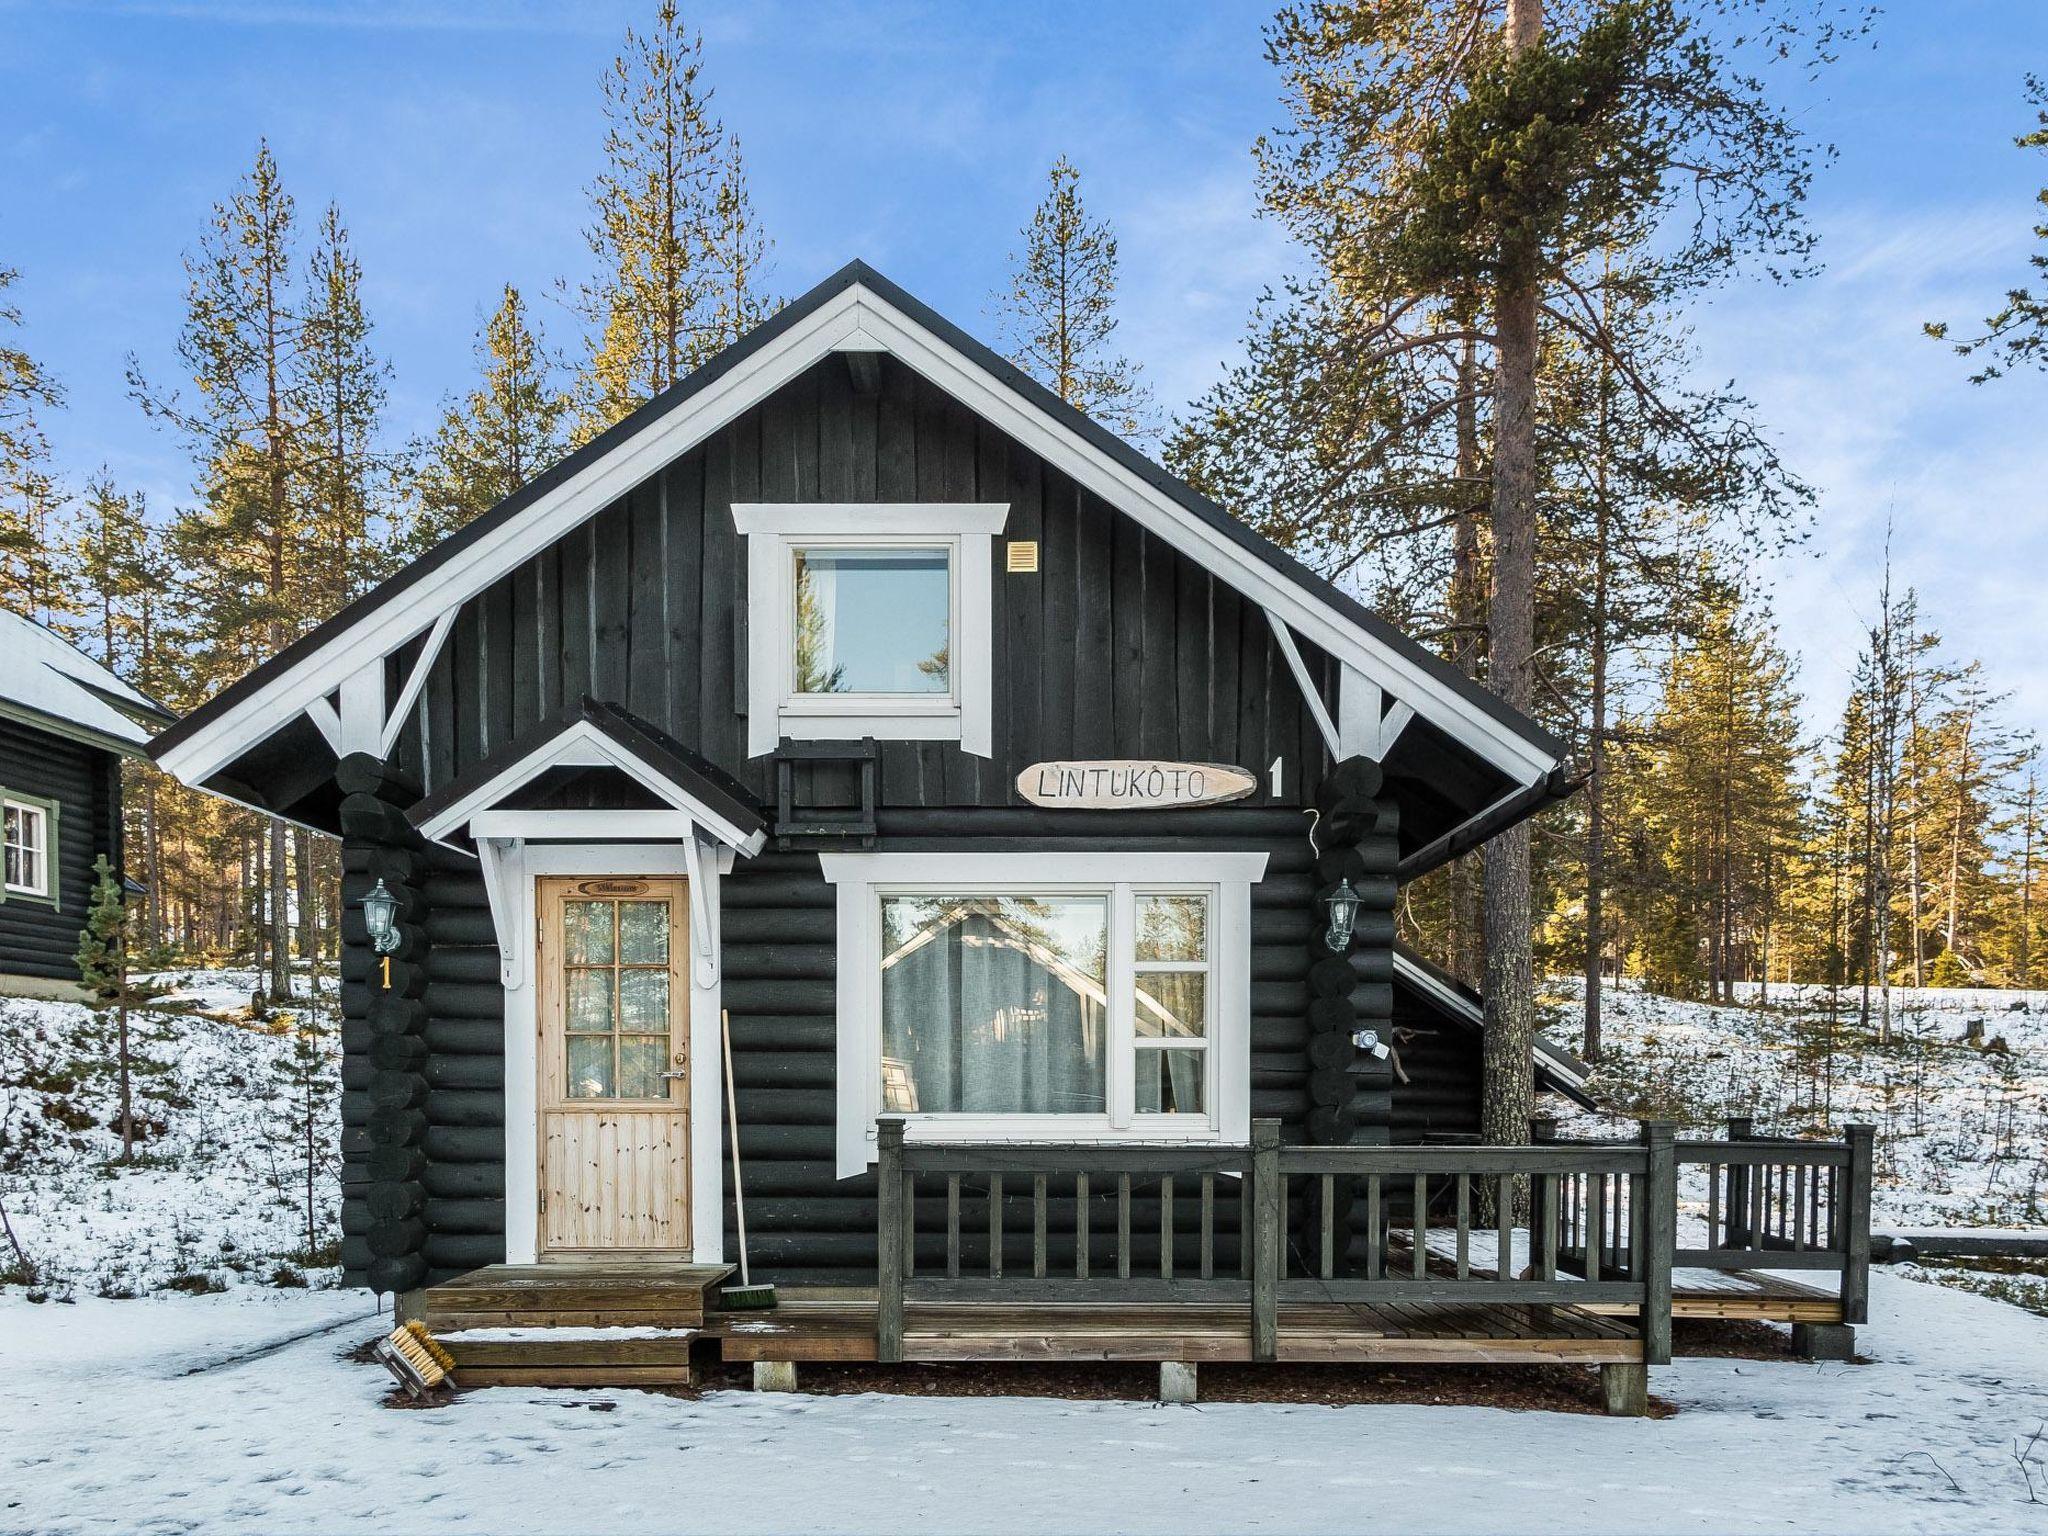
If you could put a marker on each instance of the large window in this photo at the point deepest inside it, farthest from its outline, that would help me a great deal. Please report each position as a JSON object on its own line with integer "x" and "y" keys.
{"x": 1040, "y": 995}
{"x": 27, "y": 837}
{"x": 869, "y": 620}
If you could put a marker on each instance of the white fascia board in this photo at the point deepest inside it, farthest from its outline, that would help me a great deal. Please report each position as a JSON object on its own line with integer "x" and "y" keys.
{"x": 582, "y": 745}
{"x": 854, "y": 312}
{"x": 1450, "y": 997}
{"x": 842, "y": 519}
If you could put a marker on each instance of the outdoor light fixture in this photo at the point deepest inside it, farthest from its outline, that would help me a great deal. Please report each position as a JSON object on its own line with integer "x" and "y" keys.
{"x": 380, "y": 917}
{"x": 1343, "y": 905}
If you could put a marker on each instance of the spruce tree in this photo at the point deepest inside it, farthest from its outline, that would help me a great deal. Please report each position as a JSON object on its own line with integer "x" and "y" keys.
{"x": 509, "y": 428}
{"x": 34, "y": 580}
{"x": 2017, "y": 335}
{"x": 1058, "y": 314}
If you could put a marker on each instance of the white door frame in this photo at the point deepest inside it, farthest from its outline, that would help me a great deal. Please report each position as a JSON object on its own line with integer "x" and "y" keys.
{"x": 515, "y": 867}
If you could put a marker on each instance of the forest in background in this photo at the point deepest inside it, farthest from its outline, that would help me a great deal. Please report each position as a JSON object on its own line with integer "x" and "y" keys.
{"x": 1473, "y": 402}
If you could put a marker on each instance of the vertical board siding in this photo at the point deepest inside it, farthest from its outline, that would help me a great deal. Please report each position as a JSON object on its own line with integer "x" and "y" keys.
{"x": 1118, "y": 647}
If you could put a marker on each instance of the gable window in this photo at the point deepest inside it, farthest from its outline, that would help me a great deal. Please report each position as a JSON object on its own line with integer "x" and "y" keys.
{"x": 1084, "y": 996}
{"x": 27, "y": 840}
{"x": 869, "y": 620}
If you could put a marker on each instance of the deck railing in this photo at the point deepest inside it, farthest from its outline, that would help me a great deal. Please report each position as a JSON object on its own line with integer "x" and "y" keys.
{"x": 1784, "y": 1203}
{"x": 1253, "y": 1226}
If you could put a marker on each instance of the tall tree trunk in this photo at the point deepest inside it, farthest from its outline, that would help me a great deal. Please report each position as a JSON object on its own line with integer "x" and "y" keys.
{"x": 280, "y": 912}
{"x": 1510, "y": 1087}
{"x": 1468, "y": 616}
{"x": 1914, "y": 889}
{"x": 1596, "y": 739}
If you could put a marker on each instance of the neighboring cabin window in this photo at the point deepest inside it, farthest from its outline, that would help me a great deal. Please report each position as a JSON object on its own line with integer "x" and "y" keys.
{"x": 27, "y": 848}
{"x": 870, "y": 620}
{"x": 1084, "y": 995}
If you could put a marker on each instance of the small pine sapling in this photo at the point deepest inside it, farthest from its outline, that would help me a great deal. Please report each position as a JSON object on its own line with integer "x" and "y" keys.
{"x": 102, "y": 957}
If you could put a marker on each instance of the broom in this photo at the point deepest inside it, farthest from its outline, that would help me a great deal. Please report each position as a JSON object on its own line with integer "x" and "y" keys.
{"x": 746, "y": 1296}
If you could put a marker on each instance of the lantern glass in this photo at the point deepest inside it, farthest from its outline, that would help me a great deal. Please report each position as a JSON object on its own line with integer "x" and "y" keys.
{"x": 380, "y": 917}
{"x": 1343, "y": 905}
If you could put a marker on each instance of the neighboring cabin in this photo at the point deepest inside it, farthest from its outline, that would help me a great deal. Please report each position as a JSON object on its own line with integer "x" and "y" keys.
{"x": 66, "y": 723}
{"x": 781, "y": 698}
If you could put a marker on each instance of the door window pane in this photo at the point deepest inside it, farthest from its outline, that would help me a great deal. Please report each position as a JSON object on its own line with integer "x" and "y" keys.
{"x": 590, "y": 1067}
{"x": 587, "y": 932}
{"x": 590, "y": 1002}
{"x": 995, "y": 1004}
{"x": 643, "y": 1000}
{"x": 1172, "y": 1003}
{"x": 643, "y": 933}
{"x": 1169, "y": 1082}
{"x": 641, "y": 1061}
{"x": 872, "y": 621}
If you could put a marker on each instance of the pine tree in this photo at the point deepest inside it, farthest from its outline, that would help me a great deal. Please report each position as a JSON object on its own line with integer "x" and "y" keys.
{"x": 2017, "y": 335}
{"x": 247, "y": 542}
{"x": 111, "y": 556}
{"x": 736, "y": 256}
{"x": 503, "y": 433}
{"x": 652, "y": 208}
{"x": 1058, "y": 314}
{"x": 33, "y": 580}
{"x": 339, "y": 387}
{"x": 102, "y": 958}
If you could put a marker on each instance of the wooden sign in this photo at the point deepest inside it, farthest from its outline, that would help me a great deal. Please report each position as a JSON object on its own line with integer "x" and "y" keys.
{"x": 1132, "y": 784}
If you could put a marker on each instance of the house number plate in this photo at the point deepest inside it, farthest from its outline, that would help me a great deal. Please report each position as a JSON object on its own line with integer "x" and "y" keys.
{"x": 1132, "y": 784}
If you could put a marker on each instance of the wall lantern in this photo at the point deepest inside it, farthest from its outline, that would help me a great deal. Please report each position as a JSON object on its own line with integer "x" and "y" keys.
{"x": 1343, "y": 905}
{"x": 380, "y": 917}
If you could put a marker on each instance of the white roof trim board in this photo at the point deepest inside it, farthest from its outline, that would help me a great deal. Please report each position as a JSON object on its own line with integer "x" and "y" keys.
{"x": 1563, "y": 1068}
{"x": 855, "y": 316}
{"x": 584, "y": 745}
{"x": 46, "y": 682}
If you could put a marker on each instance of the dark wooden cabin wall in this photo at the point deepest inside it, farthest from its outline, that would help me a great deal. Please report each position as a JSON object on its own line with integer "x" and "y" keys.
{"x": 36, "y": 938}
{"x": 1119, "y": 646}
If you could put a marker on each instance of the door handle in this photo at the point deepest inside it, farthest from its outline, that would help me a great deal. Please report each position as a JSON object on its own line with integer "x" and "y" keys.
{"x": 672, "y": 1076}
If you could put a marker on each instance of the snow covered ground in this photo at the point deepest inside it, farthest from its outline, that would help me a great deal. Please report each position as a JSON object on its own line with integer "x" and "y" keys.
{"x": 220, "y": 1186}
{"x": 1962, "y": 1126}
{"x": 235, "y": 1413}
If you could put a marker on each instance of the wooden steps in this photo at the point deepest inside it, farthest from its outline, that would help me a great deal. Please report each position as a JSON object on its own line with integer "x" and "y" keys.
{"x": 574, "y": 1325}
{"x": 570, "y": 1357}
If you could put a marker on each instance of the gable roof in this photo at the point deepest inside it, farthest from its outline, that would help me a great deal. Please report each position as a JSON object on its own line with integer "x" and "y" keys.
{"x": 856, "y": 309}
{"x": 592, "y": 732}
{"x": 46, "y": 683}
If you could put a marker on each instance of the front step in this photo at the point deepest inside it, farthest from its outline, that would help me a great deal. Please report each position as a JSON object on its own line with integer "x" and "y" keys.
{"x": 571, "y": 1357}
{"x": 578, "y": 1295}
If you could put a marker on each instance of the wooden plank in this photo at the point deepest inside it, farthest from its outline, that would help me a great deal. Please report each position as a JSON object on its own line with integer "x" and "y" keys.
{"x": 573, "y": 1376}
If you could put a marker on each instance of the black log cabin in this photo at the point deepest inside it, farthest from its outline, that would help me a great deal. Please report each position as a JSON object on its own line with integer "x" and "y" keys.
{"x": 991, "y": 780}
{"x": 66, "y": 724}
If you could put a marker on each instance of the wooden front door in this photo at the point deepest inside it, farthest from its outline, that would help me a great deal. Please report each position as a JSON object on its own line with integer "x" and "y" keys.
{"x": 614, "y": 1064}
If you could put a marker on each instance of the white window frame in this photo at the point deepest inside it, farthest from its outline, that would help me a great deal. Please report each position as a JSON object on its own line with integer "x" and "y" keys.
{"x": 40, "y": 886}
{"x": 775, "y": 531}
{"x": 863, "y": 879}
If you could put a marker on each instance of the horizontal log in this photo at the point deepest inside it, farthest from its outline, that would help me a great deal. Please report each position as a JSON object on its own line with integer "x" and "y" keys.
{"x": 464, "y": 1144}
{"x": 465, "y": 1107}
{"x": 396, "y": 1127}
{"x": 465, "y": 1037}
{"x": 396, "y": 1053}
{"x": 396, "y": 1163}
{"x": 465, "y": 1181}
{"x": 397, "y": 1273}
{"x": 455, "y": 889}
{"x": 778, "y": 961}
{"x": 457, "y": 1252}
{"x": 355, "y": 1254}
{"x": 395, "y": 1202}
{"x": 449, "y": 963}
{"x": 478, "y": 1072}
{"x": 461, "y": 925}
{"x": 779, "y": 925}
{"x": 484, "y": 1216}
{"x": 388, "y": 1239}
{"x": 468, "y": 999}
{"x": 398, "y": 1090}
{"x": 754, "y": 995}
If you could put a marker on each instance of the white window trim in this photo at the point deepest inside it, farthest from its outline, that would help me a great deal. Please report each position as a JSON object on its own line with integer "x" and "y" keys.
{"x": 861, "y": 878}
{"x": 41, "y": 885}
{"x": 774, "y": 531}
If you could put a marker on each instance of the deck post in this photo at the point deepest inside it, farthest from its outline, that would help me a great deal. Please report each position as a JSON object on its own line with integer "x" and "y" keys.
{"x": 1856, "y": 1225}
{"x": 1736, "y": 1211}
{"x": 1658, "y": 1223}
{"x": 1176, "y": 1381}
{"x": 1625, "y": 1390}
{"x": 889, "y": 1241}
{"x": 1266, "y": 1239}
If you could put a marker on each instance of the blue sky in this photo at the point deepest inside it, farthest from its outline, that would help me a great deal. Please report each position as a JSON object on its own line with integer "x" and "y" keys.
{"x": 458, "y": 138}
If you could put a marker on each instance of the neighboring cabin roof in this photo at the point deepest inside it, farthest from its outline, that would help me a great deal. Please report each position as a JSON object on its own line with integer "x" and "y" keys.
{"x": 46, "y": 683}
{"x": 1556, "y": 1067}
{"x": 624, "y": 743}
{"x": 854, "y": 309}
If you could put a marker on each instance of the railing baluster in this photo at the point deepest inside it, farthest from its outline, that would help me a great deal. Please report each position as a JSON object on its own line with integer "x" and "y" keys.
{"x": 909, "y": 1225}
{"x": 995, "y": 1226}
{"x": 1208, "y": 1226}
{"x": 952, "y": 1226}
{"x": 1420, "y": 1211}
{"x": 1080, "y": 1226}
{"x": 1504, "y": 1227}
{"x": 1166, "y": 1227}
{"x": 1375, "y": 1251}
{"x": 1464, "y": 1226}
{"x": 1595, "y": 1223}
{"x": 1547, "y": 1269}
{"x": 1038, "y": 1226}
{"x": 1758, "y": 1177}
{"x": 1328, "y": 1268}
{"x": 1799, "y": 1209}
{"x": 1123, "y": 1226}
{"x": 1714, "y": 1236}
{"x": 1245, "y": 1223}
